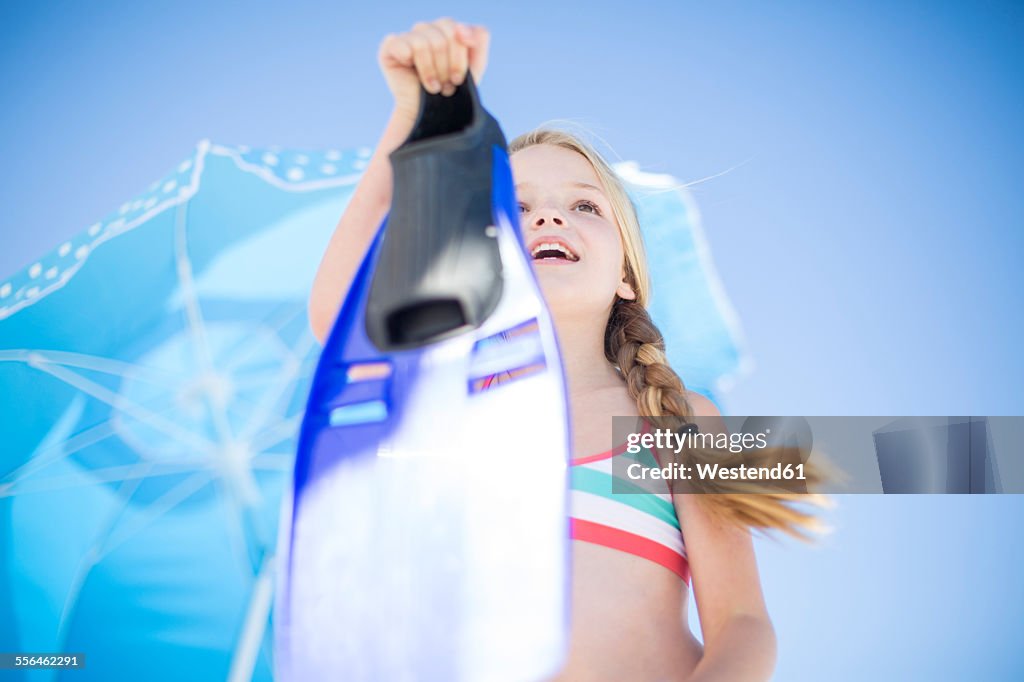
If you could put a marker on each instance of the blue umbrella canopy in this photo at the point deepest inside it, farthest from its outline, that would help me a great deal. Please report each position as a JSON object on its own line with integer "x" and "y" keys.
{"x": 703, "y": 335}
{"x": 154, "y": 370}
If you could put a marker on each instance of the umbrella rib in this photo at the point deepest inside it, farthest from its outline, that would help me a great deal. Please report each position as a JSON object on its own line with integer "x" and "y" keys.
{"x": 271, "y": 397}
{"x": 126, "y": 491}
{"x": 162, "y": 505}
{"x": 119, "y": 368}
{"x": 43, "y": 458}
{"x": 243, "y": 662}
{"x": 196, "y": 324}
{"x": 291, "y": 311}
{"x": 58, "y": 451}
{"x": 90, "y": 436}
{"x": 285, "y": 428}
{"x": 250, "y": 382}
{"x": 277, "y": 392}
{"x": 273, "y": 461}
{"x": 120, "y": 402}
{"x": 235, "y": 512}
{"x": 122, "y": 473}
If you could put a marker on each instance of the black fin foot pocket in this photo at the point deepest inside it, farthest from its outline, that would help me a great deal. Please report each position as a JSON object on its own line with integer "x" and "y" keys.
{"x": 438, "y": 272}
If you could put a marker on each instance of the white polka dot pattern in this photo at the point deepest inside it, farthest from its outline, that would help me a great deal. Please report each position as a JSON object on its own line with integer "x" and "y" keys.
{"x": 287, "y": 169}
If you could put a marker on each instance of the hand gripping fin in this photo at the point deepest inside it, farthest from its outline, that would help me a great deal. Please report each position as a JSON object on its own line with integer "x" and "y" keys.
{"x": 439, "y": 271}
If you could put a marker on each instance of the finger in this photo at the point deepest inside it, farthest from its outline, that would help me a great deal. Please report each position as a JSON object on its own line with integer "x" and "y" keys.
{"x": 458, "y": 60}
{"x": 424, "y": 59}
{"x": 464, "y": 32}
{"x": 397, "y": 49}
{"x": 439, "y": 46}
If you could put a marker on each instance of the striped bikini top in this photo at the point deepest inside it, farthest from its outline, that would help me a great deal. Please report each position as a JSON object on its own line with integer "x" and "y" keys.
{"x": 644, "y": 523}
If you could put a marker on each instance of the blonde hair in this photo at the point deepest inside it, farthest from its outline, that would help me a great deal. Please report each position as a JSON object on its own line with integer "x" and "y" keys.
{"x": 636, "y": 347}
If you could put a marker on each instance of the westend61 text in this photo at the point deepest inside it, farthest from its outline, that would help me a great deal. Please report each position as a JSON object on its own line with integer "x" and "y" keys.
{"x": 712, "y": 472}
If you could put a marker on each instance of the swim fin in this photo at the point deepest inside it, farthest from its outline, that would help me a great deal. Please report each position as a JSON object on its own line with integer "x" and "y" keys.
{"x": 426, "y": 532}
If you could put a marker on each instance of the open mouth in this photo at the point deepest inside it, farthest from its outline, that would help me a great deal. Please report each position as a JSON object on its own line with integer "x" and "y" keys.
{"x": 553, "y": 251}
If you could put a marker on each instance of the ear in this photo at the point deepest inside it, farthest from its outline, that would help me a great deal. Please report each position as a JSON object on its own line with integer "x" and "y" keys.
{"x": 624, "y": 290}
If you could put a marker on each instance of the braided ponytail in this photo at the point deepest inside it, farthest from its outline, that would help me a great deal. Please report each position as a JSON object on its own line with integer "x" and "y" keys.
{"x": 636, "y": 347}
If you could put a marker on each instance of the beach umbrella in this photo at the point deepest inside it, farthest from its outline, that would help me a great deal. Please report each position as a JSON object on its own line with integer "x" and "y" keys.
{"x": 154, "y": 372}
{"x": 153, "y": 375}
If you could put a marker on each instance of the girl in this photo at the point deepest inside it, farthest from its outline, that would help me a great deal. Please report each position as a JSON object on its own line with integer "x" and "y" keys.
{"x": 630, "y": 570}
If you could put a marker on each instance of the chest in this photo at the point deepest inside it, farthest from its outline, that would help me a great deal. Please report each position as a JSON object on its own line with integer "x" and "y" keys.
{"x": 592, "y": 414}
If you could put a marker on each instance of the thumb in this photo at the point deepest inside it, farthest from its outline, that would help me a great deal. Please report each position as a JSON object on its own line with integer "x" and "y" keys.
{"x": 466, "y": 33}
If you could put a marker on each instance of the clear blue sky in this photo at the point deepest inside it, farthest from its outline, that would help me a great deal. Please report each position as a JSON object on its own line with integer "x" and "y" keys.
{"x": 869, "y": 233}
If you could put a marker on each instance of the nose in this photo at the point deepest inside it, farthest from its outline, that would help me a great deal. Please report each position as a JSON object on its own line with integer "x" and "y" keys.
{"x": 547, "y": 216}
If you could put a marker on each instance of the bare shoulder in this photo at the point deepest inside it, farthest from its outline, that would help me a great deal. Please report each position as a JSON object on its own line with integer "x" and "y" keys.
{"x": 701, "y": 406}
{"x": 707, "y": 416}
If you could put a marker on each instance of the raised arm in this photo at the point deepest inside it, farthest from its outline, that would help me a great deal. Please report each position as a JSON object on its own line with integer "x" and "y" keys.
{"x": 436, "y": 54}
{"x": 355, "y": 230}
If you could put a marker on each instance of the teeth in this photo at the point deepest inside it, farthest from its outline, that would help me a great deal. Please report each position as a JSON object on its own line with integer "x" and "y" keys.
{"x": 552, "y": 246}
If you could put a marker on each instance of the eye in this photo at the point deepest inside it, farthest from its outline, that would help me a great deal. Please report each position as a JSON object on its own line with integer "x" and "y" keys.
{"x": 591, "y": 205}
{"x": 522, "y": 208}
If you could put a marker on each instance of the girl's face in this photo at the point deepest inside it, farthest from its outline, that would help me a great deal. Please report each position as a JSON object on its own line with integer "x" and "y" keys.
{"x": 569, "y": 230}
